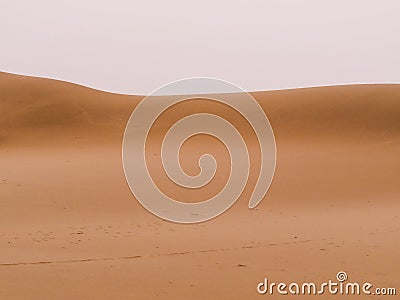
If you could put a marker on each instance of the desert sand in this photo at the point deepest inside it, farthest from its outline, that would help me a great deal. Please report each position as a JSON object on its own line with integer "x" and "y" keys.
{"x": 70, "y": 227}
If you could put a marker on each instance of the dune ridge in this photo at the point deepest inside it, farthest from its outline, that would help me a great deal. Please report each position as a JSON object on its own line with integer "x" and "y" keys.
{"x": 30, "y": 103}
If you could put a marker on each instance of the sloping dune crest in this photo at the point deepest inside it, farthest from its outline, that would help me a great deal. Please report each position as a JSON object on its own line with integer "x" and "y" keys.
{"x": 70, "y": 227}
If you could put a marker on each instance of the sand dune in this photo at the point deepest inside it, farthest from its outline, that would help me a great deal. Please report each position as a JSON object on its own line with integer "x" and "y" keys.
{"x": 71, "y": 229}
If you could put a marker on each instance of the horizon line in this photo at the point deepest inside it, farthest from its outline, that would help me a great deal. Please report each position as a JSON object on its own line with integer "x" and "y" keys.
{"x": 191, "y": 94}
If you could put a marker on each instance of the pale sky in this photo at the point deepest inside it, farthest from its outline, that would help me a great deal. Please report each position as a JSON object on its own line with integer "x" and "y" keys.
{"x": 135, "y": 47}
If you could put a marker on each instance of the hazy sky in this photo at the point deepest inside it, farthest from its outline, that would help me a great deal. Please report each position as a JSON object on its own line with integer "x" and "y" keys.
{"x": 136, "y": 46}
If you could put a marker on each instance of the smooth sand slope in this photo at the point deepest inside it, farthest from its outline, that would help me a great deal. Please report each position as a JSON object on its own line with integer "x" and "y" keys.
{"x": 71, "y": 229}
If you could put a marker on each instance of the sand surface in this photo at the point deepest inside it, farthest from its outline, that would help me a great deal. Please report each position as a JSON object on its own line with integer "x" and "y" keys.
{"x": 70, "y": 227}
